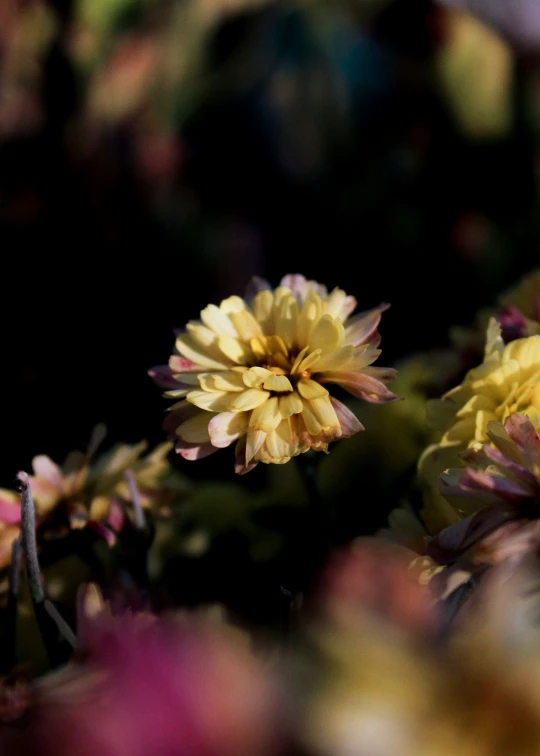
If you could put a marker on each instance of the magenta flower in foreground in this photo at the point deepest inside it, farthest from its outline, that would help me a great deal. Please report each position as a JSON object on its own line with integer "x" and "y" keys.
{"x": 260, "y": 371}
{"x": 145, "y": 686}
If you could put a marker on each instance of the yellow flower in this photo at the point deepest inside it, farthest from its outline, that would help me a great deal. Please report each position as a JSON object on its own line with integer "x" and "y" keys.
{"x": 258, "y": 372}
{"x": 507, "y": 381}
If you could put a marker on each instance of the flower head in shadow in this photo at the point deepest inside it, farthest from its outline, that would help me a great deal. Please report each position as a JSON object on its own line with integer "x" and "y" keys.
{"x": 259, "y": 371}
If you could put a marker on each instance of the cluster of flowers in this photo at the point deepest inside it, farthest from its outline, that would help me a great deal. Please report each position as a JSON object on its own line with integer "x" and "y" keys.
{"x": 427, "y": 646}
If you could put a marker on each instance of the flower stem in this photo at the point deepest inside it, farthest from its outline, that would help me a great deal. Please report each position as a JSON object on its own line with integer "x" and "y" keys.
{"x": 310, "y": 550}
{"x": 47, "y": 616}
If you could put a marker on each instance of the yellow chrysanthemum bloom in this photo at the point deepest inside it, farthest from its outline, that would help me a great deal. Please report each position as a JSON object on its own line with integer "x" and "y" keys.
{"x": 507, "y": 381}
{"x": 258, "y": 372}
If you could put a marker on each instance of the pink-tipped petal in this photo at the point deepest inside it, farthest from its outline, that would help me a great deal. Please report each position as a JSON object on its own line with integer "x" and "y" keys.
{"x": 347, "y": 419}
{"x": 524, "y": 435}
{"x": 363, "y": 326}
{"x": 492, "y": 489}
{"x": 384, "y": 374}
{"x": 487, "y": 455}
{"x": 180, "y": 364}
{"x": 193, "y": 452}
{"x": 227, "y": 427}
{"x": 360, "y": 385}
{"x": 162, "y": 376}
{"x": 48, "y": 471}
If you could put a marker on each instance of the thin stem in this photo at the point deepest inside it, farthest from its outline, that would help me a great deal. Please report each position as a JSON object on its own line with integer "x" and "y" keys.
{"x": 29, "y": 542}
{"x": 47, "y": 616}
{"x": 138, "y": 512}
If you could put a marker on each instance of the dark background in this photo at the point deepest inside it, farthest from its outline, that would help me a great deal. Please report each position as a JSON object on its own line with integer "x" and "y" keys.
{"x": 359, "y": 176}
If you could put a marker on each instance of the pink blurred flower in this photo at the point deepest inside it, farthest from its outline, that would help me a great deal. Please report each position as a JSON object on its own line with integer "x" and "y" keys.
{"x": 142, "y": 688}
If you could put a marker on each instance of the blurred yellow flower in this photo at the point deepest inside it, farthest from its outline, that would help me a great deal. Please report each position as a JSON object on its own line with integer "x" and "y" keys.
{"x": 507, "y": 381}
{"x": 258, "y": 372}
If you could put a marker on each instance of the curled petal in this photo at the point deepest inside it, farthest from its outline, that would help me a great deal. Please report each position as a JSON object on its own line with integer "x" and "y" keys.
{"x": 454, "y": 540}
{"x": 363, "y": 326}
{"x": 48, "y": 471}
{"x": 360, "y": 385}
{"x": 162, "y": 375}
{"x": 194, "y": 451}
{"x": 524, "y": 435}
{"x": 347, "y": 419}
{"x": 491, "y": 489}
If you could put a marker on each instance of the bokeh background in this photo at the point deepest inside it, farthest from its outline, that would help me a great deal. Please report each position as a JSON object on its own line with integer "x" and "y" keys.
{"x": 155, "y": 154}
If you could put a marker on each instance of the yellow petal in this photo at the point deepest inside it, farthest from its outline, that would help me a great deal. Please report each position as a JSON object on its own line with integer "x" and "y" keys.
{"x": 195, "y": 430}
{"x": 235, "y": 350}
{"x": 232, "y": 304}
{"x": 308, "y": 362}
{"x": 216, "y": 320}
{"x": 298, "y": 360}
{"x": 309, "y": 314}
{"x": 324, "y": 412}
{"x": 263, "y": 304}
{"x": 246, "y": 325}
{"x": 290, "y": 404}
{"x": 247, "y": 400}
{"x": 189, "y": 349}
{"x": 227, "y": 381}
{"x": 226, "y": 427}
{"x": 340, "y": 305}
{"x": 176, "y": 393}
{"x": 255, "y": 376}
{"x": 255, "y": 439}
{"x": 275, "y": 344}
{"x": 310, "y": 419}
{"x": 497, "y": 384}
{"x": 328, "y": 334}
{"x": 311, "y": 389}
{"x": 336, "y": 360}
{"x": 215, "y": 401}
{"x": 526, "y": 352}
{"x": 258, "y": 347}
{"x": 277, "y": 383}
{"x": 266, "y": 416}
{"x": 279, "y": 443}
{"x": 476, "y": 403}
{"x": 286, "y": 320}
